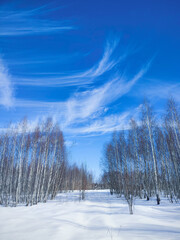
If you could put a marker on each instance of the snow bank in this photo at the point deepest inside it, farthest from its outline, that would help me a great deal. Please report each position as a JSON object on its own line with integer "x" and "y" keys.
{"x": 100, "y": 216}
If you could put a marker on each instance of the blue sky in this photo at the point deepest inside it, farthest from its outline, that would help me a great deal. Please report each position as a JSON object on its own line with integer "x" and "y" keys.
{"x": 88, "y": 64}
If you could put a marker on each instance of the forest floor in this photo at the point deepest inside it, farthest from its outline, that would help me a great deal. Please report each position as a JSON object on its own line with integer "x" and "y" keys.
{"x": 99, "y": 216}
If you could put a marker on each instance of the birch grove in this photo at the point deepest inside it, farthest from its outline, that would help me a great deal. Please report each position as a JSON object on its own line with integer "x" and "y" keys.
{"x": 144, "y": 161}
{"x": 34, "y": 165}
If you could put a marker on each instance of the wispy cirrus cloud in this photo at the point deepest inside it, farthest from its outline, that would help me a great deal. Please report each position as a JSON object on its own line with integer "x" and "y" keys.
{"x": 163, "y": 91}
{"x": 104, "y": 125}
{"x": 105, "y": 64}
{"x": 89, "y": 104}
{"x": 36, "y": 104}
{"x": 29, "y": 22}
{"x": 107, "y": 124}
{"x": 86, "y": 111}
{"x": 6, "y": 87}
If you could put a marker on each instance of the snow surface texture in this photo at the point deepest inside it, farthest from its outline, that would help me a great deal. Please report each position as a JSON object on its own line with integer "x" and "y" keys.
{"x": 100, "y": 216}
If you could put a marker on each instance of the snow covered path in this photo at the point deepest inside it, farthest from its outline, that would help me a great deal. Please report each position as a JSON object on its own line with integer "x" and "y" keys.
{"x": 100, "y": 216}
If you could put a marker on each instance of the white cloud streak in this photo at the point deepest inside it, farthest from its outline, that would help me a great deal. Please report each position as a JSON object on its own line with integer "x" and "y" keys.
{"x": 88, "y": 104}
{"x": 37, "y": 104}
{"x": 6, "y": 88}
{"x": 28, "y": 22}
{"x": 104, "y": 125}
{"x": 107, "y": 63}
{"x": 163, "y": 91}
{"x": 85, "y": 110}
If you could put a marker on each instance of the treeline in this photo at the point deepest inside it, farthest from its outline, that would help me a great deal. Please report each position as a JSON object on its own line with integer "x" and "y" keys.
{"x": 34, "y": 165}
{"x": 144, "y": 161}
{"x": 77, "y": 178}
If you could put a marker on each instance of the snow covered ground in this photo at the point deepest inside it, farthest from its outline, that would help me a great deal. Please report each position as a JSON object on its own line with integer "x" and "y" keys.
{"x": 100, "y": 216}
